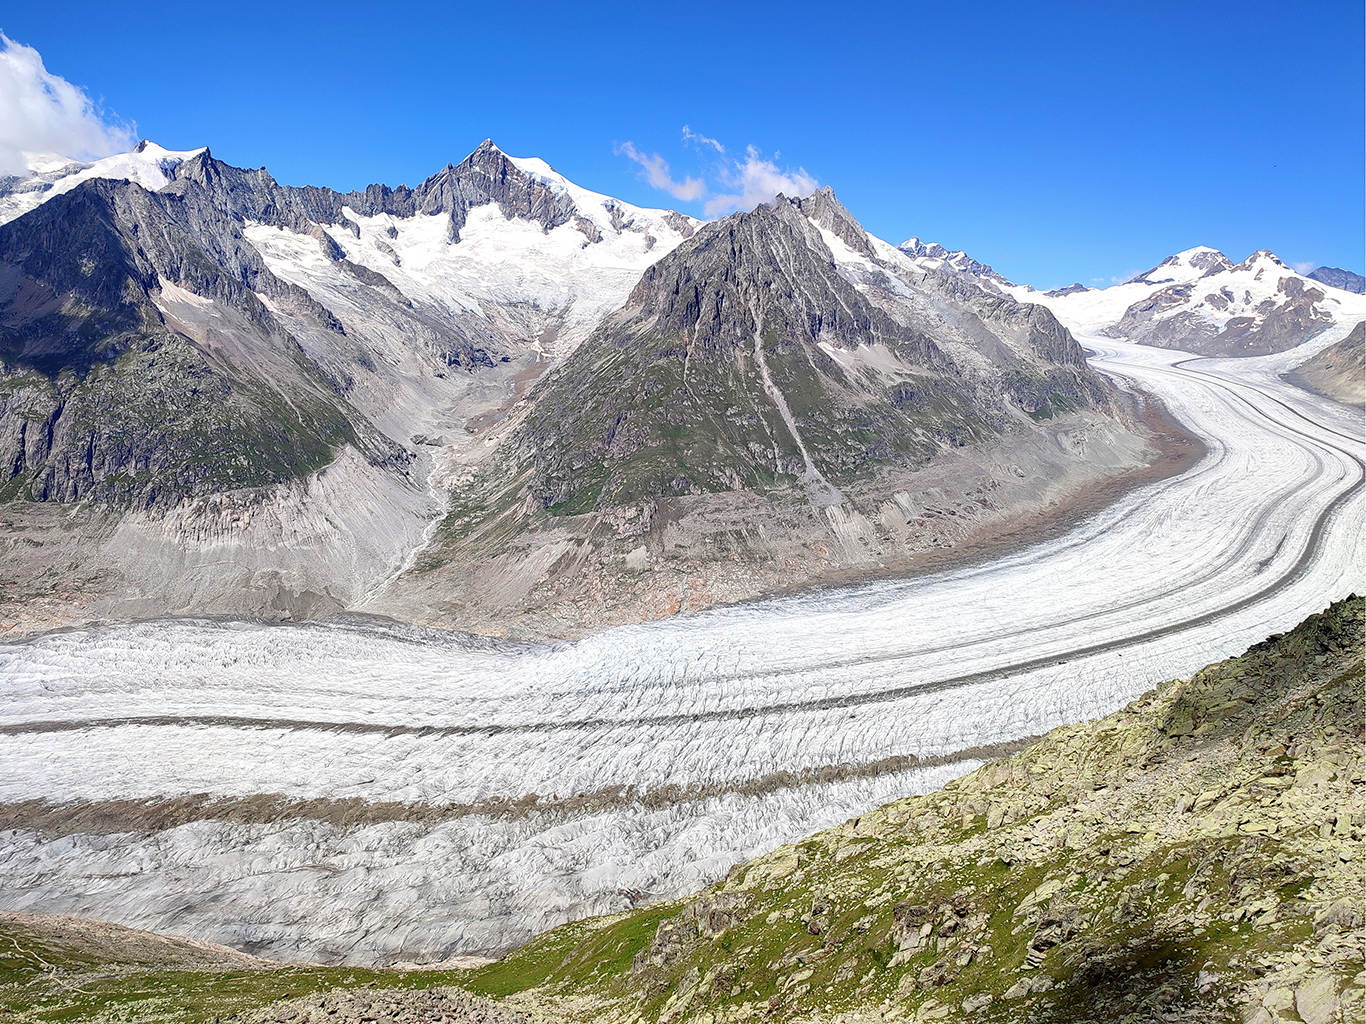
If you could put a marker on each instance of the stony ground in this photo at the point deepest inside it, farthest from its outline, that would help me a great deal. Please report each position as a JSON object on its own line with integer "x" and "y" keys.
{"x": 426, "y": 1006}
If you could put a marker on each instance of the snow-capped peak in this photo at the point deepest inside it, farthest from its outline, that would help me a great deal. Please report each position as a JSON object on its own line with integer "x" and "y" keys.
{"x": 1184, "y": 267}
{"x": 933, "y": 256}
{"x": 913, "y": 246}
{"x": 148, "y": 165}
{"x": 1200, "y": 300}
{"x": 519, "y": 249}
{"x": 1264, "y": 259}
{"x": 609, "y": 215}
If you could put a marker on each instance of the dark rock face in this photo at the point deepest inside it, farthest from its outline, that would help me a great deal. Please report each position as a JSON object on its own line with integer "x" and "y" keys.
{"x": 1335, "y": 277}
{"x": 1339, "y": 371}
{"x": 101, "y": 397}
{"x": 1071, "y": 289}
{"x": 751, "y": 358}
{"x": 486, "y": 176}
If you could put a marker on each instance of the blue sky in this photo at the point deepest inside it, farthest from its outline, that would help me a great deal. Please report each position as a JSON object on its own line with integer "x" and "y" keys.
{"x": 1058, "y": 142}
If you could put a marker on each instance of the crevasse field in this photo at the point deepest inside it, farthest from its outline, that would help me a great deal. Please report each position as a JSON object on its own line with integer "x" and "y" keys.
{"x": 551, "y": 782}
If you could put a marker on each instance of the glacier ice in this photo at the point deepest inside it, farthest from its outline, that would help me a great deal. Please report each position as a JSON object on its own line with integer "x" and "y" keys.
{"x": 672, "y": 736}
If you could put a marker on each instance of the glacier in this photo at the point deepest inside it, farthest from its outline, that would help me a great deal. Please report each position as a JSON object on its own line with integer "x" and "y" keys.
{"x": 524, "y": 785}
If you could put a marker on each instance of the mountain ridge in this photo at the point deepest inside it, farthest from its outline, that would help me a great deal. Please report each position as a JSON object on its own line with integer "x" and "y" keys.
{"x": 1336, "y": 277}
{"x": 780, "y": 367}
{"x": 402, "y": 332}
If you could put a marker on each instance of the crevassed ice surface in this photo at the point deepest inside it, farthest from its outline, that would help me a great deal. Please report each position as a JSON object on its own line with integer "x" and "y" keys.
{"x": 698, "y": 714}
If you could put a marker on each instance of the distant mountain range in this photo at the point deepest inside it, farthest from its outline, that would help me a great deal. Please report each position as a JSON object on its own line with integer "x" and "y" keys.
{"x": 498, "y": 390}
{"x": 1197, "y": 300}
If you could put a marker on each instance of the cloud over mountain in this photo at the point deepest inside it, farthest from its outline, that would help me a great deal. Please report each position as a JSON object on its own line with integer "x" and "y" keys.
{"x": 737, "y": 184}
{"x": 756, "y": 180}
{"x": 44, "y": 113}
{"x": 657, "y": 174}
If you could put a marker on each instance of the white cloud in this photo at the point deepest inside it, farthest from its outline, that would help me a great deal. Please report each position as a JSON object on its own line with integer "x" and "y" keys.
{"x": 44, "y": 113}
{"x": 1126, "y": 277}
{"x": 1303, "y": 268}
{"x": 701, "y": 140}
{"x": 756, "y": 181}
{"x": 657, "y": 174}
{"x": 746, "y": 183}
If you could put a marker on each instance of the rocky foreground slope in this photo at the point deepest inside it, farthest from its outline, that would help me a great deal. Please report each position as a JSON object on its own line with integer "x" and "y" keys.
{"x": 1195, "y": 857}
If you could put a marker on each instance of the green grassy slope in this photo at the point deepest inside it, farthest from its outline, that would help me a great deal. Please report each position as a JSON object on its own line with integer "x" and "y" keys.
{"x": 55, "y": 969}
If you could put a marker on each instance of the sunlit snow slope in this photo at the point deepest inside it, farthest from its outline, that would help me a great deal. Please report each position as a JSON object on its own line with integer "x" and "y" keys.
{"x": 149, "y": 165}
{"x": 544, "y": 783}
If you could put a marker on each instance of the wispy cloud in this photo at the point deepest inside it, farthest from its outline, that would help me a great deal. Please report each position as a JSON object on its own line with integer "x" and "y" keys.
{"x": 740, "y": 183}
{"x": 700, "y": 140}
{"x": 1125, "y": 277}
{"x": 1304, "y": 267}
{"x": 657, "y": 174}
{"x": 44, "y": 113}
{"x": 756, "y": 180}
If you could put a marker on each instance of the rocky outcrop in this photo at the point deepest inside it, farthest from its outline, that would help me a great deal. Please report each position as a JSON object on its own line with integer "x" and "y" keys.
{"x": 1335, "y": 277}
{"x": 425, "y": 1006}
{"x": 1338, "y": 372}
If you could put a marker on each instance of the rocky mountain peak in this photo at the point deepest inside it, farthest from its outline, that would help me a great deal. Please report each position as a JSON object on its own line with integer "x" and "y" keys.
{"x": 937, "y": 256}
{"x": 829, "y": 214}
{"x": 490, "y": 175}
{"x": 1185, "y": 266}
{"x": 1336, "y": 277}
{"x": 1263, "y": 259}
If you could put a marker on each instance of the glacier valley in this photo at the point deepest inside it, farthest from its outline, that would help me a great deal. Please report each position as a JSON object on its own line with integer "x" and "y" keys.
{"x": 366, "y": 792}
